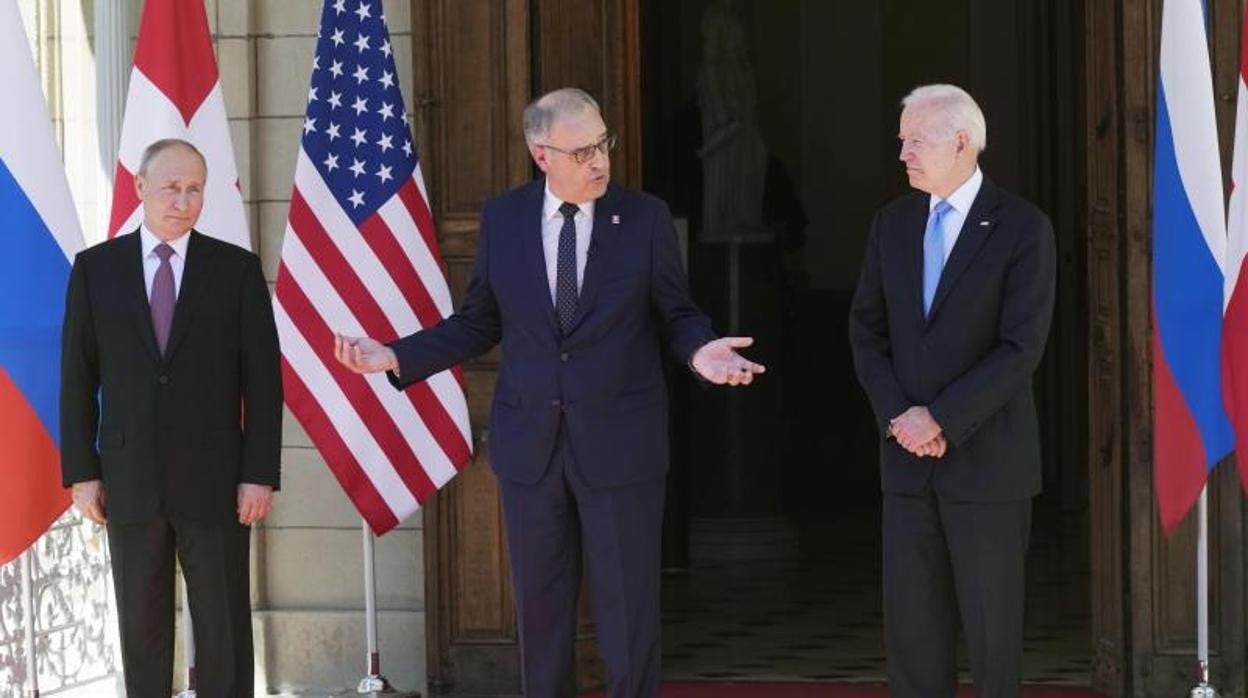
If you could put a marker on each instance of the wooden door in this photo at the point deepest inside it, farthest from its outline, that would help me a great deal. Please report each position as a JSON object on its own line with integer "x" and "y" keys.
{"x": 476, "y": 64}
{"x": 1147, "y": 646}
{"x": 1107, "y": 358}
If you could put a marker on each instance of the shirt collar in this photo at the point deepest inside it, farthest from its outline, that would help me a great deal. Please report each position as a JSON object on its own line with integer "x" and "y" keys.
{"x": 962, "y": 197}
{"x": 550, "y": 206}
{"x": 149, "y": 241}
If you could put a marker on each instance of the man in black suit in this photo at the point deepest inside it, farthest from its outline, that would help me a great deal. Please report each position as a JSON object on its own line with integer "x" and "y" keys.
{"x": 582, "y": 283}
{"x": 947, "y": 325}
{"x": 170, "y": 423}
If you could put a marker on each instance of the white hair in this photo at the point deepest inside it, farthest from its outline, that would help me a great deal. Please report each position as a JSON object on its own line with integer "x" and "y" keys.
{"x": 541, "y": 113}
{"x": 957, "y": 111}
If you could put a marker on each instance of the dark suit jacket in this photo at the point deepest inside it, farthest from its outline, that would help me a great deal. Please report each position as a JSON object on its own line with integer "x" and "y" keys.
{"x": 175, "y": 434}
{"x": 605, "y": 379}
{"x": 971, "y": 361}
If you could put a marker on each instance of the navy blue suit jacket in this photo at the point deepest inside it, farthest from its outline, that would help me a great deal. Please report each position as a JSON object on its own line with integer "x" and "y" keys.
{"x": 604, "y": 380}
{"x": 971, "y": 360}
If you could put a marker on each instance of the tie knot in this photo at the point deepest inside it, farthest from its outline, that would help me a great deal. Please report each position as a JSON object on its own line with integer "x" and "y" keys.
{"x": 568, "y": 210}
{"x": 941, "y": 209}
{"x": 164, "y": 251}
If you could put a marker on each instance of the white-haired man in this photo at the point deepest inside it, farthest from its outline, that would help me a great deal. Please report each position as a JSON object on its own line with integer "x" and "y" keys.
{"x": 947, "y": 325}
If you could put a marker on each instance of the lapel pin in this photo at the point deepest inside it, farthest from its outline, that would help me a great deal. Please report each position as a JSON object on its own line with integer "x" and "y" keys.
{"x": 985, "y": 223}
{"x": 615, "y": 219}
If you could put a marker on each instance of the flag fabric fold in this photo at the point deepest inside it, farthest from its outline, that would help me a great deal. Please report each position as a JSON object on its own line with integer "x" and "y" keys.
{"x": 175, "y": 93}
{"x": 1235, "y": 321}
{"x": 360, "y": 257}
{"x": 1191, "y": 430}
{"x": 41, "y": 234}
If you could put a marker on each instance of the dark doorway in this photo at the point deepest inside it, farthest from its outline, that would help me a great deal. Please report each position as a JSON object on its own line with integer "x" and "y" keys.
{"x": 773, "y": 523}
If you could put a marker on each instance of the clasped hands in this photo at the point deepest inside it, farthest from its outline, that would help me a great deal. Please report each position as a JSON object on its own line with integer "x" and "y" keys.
{"x": 917, "y": 432}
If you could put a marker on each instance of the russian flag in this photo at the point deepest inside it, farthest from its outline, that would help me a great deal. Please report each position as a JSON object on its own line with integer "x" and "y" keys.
{"x": 1191, "y": 431}
{"x": 39, "y": 234}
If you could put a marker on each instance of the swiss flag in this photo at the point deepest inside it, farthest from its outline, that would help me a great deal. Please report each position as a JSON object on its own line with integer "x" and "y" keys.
{"x": 175, "y": 93}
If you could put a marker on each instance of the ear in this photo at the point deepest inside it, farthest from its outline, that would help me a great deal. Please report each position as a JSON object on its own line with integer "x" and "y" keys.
{"x": 963, "y": 140}
{"x": 539, "y": 157}
{"x": 139, "y": 185}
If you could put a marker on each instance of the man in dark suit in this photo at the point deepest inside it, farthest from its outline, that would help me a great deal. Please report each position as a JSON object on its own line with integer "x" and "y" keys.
{"x": 582, "y": 283}
{"x": 170, "y": 423}
{"x": 947, "y": 325}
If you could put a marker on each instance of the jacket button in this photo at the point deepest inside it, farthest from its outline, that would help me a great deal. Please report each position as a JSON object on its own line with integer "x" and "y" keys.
{"x": 564, "y": 356}
{"x": 163, "y": 380}
{"x": 556, "y": 403}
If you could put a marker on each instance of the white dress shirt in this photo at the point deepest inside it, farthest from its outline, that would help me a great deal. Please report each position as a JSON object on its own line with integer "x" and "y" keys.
{"x": 151, "y": 262}
{"x": 552, "y": 223}
{"x": 960, "y": 202}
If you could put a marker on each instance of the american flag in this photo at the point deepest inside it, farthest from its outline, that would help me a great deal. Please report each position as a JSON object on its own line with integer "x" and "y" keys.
{"x": 175, "y": 93}
{"x": 361, "y": 257}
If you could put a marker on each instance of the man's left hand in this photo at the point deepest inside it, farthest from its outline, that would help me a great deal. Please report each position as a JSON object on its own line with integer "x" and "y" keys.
{"x": 719, "y": 362}
{"x": 254, "y": 502}
{"x": 914, "y": 428}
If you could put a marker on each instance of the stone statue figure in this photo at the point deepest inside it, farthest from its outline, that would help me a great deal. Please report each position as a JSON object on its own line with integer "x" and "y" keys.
{"x": 734, "y": 159}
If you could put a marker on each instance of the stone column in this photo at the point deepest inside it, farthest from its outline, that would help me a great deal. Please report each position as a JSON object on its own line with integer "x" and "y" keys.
{"x": 112, "y": 74}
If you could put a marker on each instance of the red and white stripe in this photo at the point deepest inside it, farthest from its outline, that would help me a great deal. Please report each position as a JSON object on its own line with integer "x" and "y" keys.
{"x": 1235, "y": 297}
{"x": 389, "y": 450}
{"x": 175, "y": 93}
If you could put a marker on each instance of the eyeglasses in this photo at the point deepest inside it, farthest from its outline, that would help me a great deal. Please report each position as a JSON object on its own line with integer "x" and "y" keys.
{"x": 584, "y": 155}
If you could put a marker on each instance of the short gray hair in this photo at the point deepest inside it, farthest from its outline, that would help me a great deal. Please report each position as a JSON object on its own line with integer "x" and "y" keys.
{"x": 957, "y": 109}
{"x": 164, "y": 144}
{"x": 542, "y": 112}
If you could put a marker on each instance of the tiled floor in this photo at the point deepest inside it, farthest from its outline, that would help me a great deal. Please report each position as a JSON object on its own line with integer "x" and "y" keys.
{"x": 818, "y": 618}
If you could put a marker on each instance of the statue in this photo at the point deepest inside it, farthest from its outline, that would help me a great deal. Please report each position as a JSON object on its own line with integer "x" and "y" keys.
{"x": 734, "y": 159}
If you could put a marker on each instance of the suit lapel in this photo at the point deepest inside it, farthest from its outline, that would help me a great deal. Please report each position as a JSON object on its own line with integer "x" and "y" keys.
{"x": 535, "y": 255}
{"x": 914, "y": 228}
{"x": 979, "y": 224}
{"x": 135, "y": 291}
{"x": 196, "y": 273}
{"x": 606, "y": 227}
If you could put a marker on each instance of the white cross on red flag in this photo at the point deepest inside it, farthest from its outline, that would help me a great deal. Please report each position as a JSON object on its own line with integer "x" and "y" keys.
{"x": 175, "y": 93}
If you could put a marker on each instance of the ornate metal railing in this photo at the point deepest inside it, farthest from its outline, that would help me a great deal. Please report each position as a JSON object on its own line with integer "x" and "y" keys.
{"x": 74, "y": 615}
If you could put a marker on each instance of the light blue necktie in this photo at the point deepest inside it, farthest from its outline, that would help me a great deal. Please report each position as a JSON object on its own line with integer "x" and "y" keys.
{"x": 934, "y": 253}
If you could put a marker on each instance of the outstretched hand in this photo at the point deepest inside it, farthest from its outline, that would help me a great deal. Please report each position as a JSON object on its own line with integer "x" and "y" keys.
{"x": 364, "y": 355}
{"x": 718, "y": 362}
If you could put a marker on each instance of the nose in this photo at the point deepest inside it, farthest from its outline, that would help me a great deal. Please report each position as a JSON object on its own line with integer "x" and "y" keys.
{"x": 600, "y": 160}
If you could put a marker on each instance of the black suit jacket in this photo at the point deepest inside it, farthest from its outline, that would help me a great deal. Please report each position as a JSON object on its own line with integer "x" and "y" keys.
{"x": 971, "y": 361}
{"x": 604, "y": 380}
{"x": 173, "y": 434}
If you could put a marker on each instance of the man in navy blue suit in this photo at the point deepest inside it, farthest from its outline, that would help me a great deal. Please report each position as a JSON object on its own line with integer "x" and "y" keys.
{"x": 581, "y": 281}
{"x": 947, "y": 325}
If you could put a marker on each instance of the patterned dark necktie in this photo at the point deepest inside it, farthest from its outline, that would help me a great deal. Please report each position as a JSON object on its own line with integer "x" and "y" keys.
{"x": 163, "y": 297}
{"x": 565, "y": 268}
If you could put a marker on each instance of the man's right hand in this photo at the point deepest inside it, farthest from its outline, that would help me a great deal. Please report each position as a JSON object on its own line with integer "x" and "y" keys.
{"x": 89, "y": 500}
{"x": 364, "y": 355}
{"x": 935, "y": 448}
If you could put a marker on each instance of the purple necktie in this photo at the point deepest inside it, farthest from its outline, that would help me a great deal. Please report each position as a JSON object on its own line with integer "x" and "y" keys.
{"x": 163, "y": 297}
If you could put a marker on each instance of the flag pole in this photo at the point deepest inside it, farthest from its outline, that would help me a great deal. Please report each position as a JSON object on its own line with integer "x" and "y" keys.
{"x": 373, "y": 682}
{"x": 1203, "y": 689}
{"x": 28, "y": 612}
